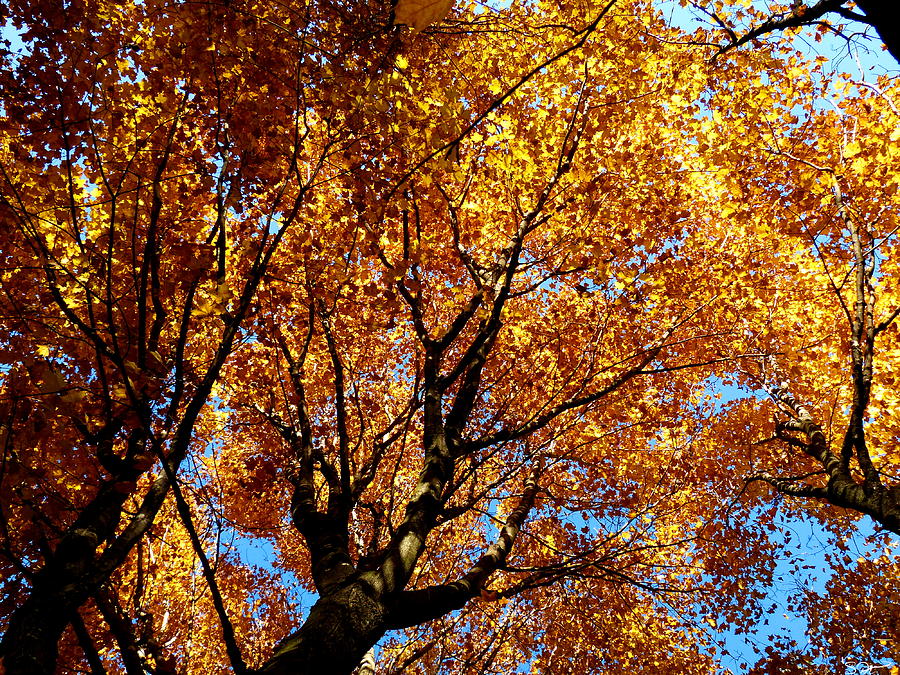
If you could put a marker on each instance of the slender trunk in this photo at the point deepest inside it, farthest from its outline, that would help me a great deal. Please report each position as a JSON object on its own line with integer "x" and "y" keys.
{"x": 340, "y": 629}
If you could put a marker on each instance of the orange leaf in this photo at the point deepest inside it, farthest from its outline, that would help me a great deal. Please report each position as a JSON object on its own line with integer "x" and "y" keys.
{"x": 488, "y": 595}
{"x": 419, "y": 14}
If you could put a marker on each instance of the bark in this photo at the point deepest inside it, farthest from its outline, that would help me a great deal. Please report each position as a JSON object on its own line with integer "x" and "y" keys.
{"x": 367, "y": 667}
{"x": 882, "y": 505}
{"x": 871, "y": 497}
{"x": 345, "y": 624}
{"x": 885, "y": 16}
{"x": 340, "y": 629}
{"x": 59, "y": 588}
{"x": 30, "y": 641}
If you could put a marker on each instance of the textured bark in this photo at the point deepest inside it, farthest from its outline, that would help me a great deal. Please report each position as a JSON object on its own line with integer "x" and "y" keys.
{"x": 340, "y": 629}
{"x": 882, "y": 505}
{"x": 871, "y": 497}
{"x": 344, "y": 625}
{"x": 30, "y": 642}
{"x": 367, "y": 667}
{"x": 63, "y": 584}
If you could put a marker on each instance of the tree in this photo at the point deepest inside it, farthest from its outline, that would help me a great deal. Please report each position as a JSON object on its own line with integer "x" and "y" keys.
{"x": 439, "y": 317}
{"x": 829, "y": 16}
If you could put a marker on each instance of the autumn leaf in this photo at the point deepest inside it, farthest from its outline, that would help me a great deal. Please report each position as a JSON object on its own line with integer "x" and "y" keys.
{"x": 292, "y": 368}
{"x": 419, "y": 14}
{"x": 488, "y": 596}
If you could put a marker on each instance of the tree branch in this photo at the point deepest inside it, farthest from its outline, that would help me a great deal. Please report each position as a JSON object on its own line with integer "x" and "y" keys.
{"x": 410, "y": 608}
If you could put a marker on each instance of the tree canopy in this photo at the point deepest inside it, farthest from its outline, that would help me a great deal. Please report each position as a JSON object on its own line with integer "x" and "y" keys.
{"x": 448, "y": 337}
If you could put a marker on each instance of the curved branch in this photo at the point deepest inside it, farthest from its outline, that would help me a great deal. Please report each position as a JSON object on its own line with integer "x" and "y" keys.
{"x": 410, "y": 608}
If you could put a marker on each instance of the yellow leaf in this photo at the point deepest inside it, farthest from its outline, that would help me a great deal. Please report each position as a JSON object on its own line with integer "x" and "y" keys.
{"x": 51, "y": 381}
{"x": 73, "y": 396}
{"x": 852, "y": 149}
{"x": 419, "y": 14}
{"x": 223, "y": 293}
{"x": 204, "y": 307}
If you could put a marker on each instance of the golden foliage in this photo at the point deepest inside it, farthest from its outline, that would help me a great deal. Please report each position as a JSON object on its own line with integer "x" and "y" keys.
{"x": 265, "y": 250}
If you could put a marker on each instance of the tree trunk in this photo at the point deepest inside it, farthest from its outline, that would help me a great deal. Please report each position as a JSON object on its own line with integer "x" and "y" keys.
{"x": 29, "y": 645}
{"x": 885, "y": 16}
{"x": 66, "y": 581}
{"x": 367, "y": 667}
{"x": 340, "y": 629}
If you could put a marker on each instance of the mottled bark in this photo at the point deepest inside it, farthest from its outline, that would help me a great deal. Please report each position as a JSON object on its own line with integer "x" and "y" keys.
{"x": 871, "y": 497}
{"x": 367, "y": 667}
{"x": 344, "y": 625}
{"x": 340, "y": 629}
